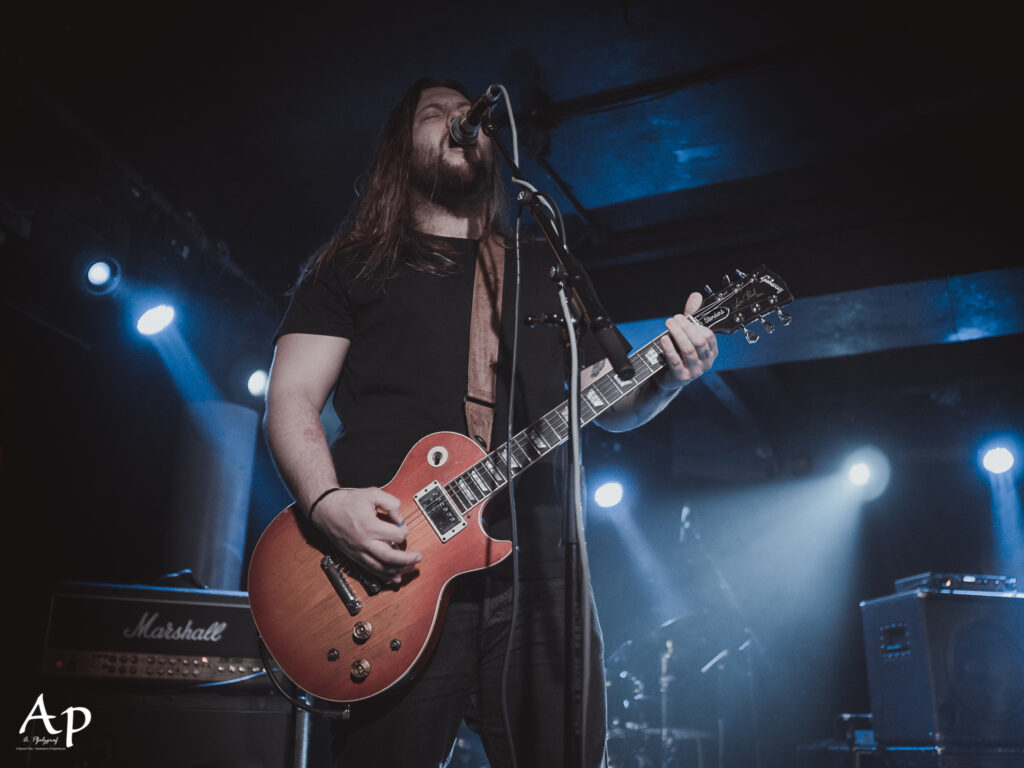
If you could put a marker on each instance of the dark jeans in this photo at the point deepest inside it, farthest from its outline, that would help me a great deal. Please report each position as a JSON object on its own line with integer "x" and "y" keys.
{"x": 417, "y": 726}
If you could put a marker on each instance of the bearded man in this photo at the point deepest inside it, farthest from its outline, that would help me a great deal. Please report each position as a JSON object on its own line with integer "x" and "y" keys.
{"x": 381, "y": 317}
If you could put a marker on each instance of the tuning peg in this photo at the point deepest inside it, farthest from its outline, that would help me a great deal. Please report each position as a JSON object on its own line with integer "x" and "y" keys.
{"x": 786, "y": 319}
{"x": 707, "y": 290}
{"x": 726, "y": 281}
{"x": 740, "y": 274}
{"x": 766, "y": 324}
{"x": 751, "y": 336}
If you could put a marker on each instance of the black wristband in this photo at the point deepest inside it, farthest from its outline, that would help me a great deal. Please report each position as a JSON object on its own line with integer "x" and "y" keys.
{"x": 321, "y": 497}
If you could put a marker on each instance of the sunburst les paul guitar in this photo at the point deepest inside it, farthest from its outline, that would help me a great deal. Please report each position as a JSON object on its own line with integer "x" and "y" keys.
{"x": 342, "y": 635}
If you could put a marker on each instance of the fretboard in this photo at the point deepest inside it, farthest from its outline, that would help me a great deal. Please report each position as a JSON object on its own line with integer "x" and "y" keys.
{"x": 490, "y": 474}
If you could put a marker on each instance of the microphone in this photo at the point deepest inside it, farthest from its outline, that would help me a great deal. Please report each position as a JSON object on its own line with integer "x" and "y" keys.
{"x": 464, "y": 128}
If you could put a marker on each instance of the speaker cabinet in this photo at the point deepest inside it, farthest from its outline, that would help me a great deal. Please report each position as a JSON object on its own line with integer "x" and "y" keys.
{"x": 946, "y": 667}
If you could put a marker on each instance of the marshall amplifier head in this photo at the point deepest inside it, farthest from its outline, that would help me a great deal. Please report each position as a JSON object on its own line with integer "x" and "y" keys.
{"x": 166, "y": 634}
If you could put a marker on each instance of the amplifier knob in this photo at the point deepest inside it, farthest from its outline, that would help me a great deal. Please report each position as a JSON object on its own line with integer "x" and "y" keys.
{"x": 360, "y": 670}
{"x": 362, "y": 631}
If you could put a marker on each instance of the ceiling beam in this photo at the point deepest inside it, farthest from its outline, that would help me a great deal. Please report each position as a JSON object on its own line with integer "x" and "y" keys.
{"x": 959, "y": 308}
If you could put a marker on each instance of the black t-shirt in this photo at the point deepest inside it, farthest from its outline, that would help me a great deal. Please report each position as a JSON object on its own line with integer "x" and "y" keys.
{"x": 404, "y": 375}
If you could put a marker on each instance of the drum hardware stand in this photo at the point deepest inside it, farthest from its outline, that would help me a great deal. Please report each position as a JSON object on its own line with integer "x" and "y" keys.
{"x": 745, "y": 647}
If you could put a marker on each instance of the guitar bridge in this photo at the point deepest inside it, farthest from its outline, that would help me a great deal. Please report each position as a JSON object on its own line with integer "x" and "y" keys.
{"x": 439, "y": 511}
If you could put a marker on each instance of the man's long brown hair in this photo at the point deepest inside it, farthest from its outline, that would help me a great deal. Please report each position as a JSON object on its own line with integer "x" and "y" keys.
{"x": 378, "y": 233}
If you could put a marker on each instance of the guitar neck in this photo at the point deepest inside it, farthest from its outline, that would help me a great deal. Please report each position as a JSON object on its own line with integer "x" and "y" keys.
{"x": 752, "y": 298}
{"x": 490, "y": 474}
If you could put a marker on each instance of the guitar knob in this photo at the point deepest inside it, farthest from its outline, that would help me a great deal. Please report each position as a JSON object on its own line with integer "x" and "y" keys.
{"x": 786, "y": 319}
{"x": 740, "y": 274}
{"x": 361, "y": 631}
{"x": 360, "y": 670}
{"x": 751, "y": 336}
{"x": 707, "y": 290}
{"x": 766, "y": 324}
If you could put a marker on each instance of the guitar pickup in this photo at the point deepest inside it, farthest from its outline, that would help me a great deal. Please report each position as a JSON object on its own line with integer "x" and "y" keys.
{"x": 332, "y": 569}
{"x": 439, "y": 511}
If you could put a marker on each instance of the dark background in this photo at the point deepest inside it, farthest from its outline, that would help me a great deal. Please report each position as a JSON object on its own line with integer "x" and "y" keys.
{"x": 867, "y": 153}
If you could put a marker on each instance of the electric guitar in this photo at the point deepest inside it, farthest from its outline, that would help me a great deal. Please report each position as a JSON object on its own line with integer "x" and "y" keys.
{"x": 343, "y": 635}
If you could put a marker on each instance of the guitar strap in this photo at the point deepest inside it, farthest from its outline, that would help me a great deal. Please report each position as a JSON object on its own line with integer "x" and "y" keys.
{"x": 484, "y": 332}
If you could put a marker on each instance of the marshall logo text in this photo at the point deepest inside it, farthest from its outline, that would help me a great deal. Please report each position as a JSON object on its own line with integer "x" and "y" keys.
{"x": 148, "y": 629}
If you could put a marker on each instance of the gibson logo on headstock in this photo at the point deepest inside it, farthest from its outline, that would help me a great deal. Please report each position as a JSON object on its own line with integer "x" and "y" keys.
{"x": 145, "y": 629}
{"x": 769, "y": 281}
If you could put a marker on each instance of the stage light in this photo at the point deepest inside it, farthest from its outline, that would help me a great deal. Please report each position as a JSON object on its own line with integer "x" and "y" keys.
{"x": 998, "y": 460}
{"x": 258, "y": 383}
{"x": 860, "y": 473}
{"x": 868, "y": 470}
{"x": 154, "y": 320}
{"x": 102, "y": 276}
{"x": 608, "y": 494}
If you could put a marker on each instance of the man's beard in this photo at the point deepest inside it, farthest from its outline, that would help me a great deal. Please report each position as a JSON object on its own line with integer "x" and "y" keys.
{"x": 450, "y": 186}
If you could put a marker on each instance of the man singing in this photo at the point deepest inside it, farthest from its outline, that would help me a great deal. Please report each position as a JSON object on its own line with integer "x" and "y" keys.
{"x": 382, "y": 317}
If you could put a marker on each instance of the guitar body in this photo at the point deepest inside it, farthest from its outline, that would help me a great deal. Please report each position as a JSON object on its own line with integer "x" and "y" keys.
{"x": 303, "y": 619}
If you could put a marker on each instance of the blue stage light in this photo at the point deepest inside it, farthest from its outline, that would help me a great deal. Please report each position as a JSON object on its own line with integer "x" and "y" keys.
{"x": 608, "y": 494}
{"x": 102, "y": 276}
{"x": 258, "y": 383}
{"x": 998, "y": 460}
{"x": 155, "y": 319}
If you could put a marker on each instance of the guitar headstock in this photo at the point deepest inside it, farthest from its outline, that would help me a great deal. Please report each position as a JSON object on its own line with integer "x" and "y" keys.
{"x": 744, "y": 300}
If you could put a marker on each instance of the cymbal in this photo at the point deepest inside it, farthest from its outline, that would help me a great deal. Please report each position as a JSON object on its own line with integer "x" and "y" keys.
{"x": 695, "y": 639}
{"x": 677, "y": 734}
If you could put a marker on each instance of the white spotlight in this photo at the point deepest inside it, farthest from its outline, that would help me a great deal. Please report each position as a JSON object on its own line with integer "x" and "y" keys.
{"x": 860, "y": 473}
{"x": 998, "y": 460}
{"x": 102, "y": 276}
{"x": 868, "y": 469}
{"x": 608, "y": 494}
{"x": 155, "y": 320}
{"x": 258, "y": 383}
{"x": 98, "y": 273}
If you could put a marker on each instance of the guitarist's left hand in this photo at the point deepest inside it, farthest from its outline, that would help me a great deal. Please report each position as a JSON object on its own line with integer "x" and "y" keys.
{"x": 690, "y": 349}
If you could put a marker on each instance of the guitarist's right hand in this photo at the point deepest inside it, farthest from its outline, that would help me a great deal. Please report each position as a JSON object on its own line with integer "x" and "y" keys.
{"x": 366, "y": 524}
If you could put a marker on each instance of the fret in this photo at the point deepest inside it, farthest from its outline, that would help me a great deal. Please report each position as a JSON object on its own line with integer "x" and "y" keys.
{"x": 500, "y": 463}
{"x": 551, "y": 435}
{"x": 481, "y": 483}
{"x": 514, "y": 459}
{"x": 456, "y": 496}
{"x": 460, "y": 481}
{"x": 608, "y": 388}
{"x": 643, "y": 370}
{"x": 522, "y": 442}
{"x": 562, "y": 412}
{"x": 653, "y": 357}
{"x": 492, "y": 471}
{"x": 537, "y": 440}
{"x": 593, "y": 399}
{"x": 623, "y": 385}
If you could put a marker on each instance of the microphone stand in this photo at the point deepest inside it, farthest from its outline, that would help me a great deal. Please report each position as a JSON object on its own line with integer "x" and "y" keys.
{"x": 583, "y": 301}
{"x": 579, "y": 301}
